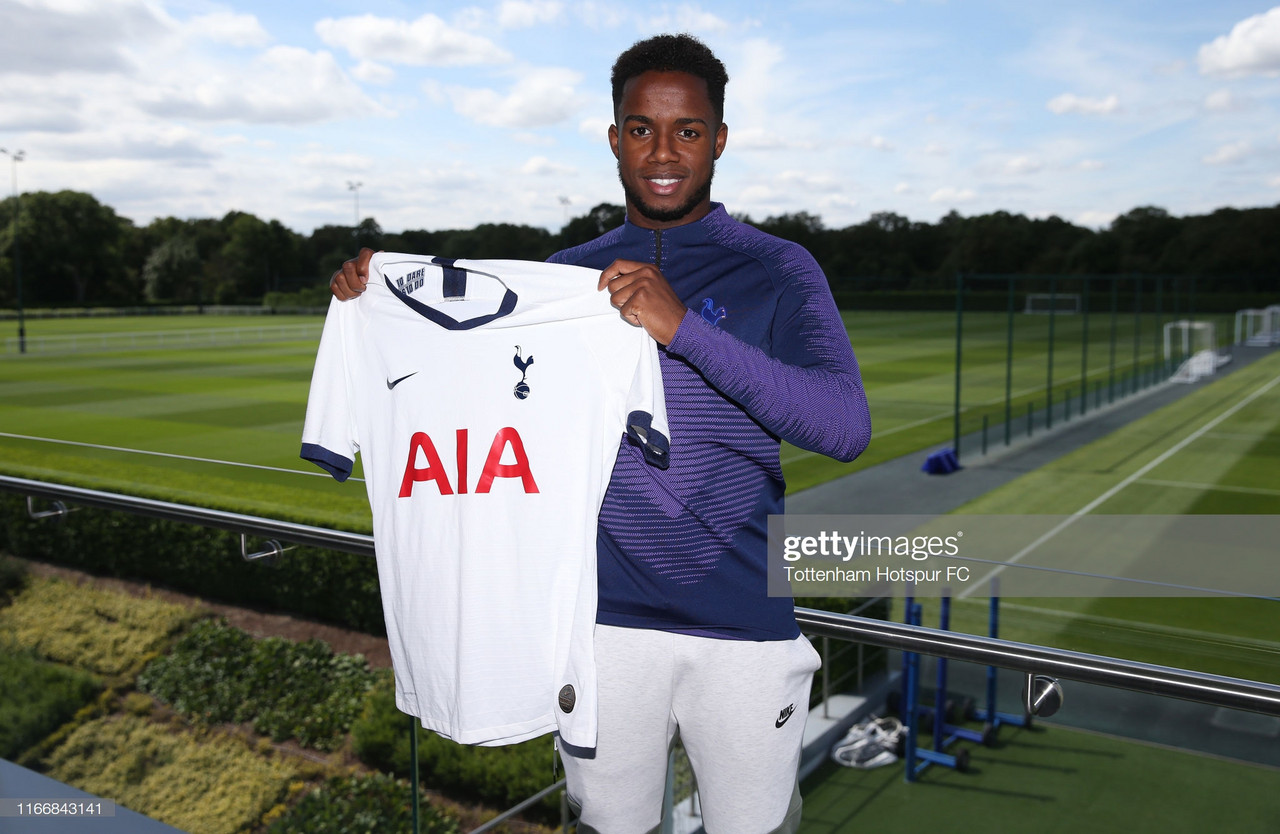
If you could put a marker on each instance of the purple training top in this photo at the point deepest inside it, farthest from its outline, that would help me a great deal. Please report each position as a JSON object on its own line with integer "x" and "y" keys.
{"x": 761, "y": 355}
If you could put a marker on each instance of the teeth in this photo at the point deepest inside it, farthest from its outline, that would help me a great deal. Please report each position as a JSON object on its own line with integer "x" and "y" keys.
{"x": 664, "y": 181}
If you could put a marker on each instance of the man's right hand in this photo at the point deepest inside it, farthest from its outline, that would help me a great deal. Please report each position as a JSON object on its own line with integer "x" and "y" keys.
{"x": 350, "y": 279}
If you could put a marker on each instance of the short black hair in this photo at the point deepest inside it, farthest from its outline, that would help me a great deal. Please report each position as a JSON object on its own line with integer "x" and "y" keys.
{"x": 671, "y": 53}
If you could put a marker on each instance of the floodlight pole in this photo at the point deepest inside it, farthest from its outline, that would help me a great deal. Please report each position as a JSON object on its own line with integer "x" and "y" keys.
{"x": 15, "y": 157}
{"x": 354, "y": 188}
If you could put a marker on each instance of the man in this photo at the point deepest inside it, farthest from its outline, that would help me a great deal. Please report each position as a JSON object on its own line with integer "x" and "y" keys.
{"x": 687, "y": 638}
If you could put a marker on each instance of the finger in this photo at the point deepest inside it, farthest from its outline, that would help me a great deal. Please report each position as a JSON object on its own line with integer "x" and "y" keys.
{"x": 618, "y": 269}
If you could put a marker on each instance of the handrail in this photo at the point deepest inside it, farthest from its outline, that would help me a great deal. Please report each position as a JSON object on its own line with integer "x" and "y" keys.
{"x": 360, "y": 544}
{"x": 1184, "y": 684}
{"x": 1167, "y": 681}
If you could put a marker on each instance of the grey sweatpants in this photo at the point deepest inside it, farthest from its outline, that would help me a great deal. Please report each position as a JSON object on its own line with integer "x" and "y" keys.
{"x": 740, "y": 709}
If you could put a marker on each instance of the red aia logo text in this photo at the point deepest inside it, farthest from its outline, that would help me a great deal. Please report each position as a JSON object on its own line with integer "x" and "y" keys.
{"x": 493, "y": 465}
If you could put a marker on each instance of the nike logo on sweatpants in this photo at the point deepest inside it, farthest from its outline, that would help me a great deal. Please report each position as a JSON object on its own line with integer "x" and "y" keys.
{"x": 784, "y": 715}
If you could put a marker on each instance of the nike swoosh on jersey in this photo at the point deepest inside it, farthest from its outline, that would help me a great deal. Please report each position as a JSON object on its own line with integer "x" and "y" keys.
{"x": 392, "y": 383}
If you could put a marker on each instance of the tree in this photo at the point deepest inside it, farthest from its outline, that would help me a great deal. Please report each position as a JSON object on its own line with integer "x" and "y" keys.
{"x": 173, "y": 271}
{"x": 71, "y": 250}
{"x": 254, "y": 257}
{"x": 591, "y": 225}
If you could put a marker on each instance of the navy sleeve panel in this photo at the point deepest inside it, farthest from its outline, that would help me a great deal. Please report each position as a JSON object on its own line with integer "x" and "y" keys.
{"x": 336, "y": 465}
{"x": 656, "y": 446}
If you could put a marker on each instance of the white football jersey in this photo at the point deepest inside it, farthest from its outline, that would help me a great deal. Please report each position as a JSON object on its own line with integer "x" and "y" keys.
{"x": 487, "y": 400}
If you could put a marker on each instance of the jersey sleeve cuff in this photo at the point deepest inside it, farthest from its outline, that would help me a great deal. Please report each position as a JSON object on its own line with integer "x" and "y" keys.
{"x": 335, "y": 464}
{"x": 656, "y": 446}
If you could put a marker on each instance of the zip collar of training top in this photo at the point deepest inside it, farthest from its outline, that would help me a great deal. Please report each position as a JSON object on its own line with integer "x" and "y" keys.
{"x": 676, "y": 235}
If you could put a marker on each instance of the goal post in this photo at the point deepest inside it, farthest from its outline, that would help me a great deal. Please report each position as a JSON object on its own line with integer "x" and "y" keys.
{"x": 1195, "y": 345}
{"x": 1187, "y": 338}
{"x": 1044, "y": 303}
{"x": 1258, "y": 327}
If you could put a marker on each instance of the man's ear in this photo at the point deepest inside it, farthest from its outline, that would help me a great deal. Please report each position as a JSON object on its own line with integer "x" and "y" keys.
{"x": 613, "y": 140}
{"x": 722, "y": 136}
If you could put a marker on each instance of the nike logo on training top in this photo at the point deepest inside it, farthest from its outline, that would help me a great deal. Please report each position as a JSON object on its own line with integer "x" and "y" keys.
{"x": 784, "y": 715}
{"x": 392, "y": 383}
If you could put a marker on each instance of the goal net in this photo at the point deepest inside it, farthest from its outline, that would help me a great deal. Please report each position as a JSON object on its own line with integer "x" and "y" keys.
{"x": 1258, "y": 328}
{"x": 1195, "y": 343}
{"x": 1043, "y": 303}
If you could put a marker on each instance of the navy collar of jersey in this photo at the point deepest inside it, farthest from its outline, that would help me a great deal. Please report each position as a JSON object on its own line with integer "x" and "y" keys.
{"x": 454, "y": 285}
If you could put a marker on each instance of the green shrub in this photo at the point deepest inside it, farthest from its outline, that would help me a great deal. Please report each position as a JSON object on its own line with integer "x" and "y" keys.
{"x": 102, "y": 632}
{"x": 333, "y": 587}
{"x": 349, "y": 804}
{"x": 13, "y": 578}
{"x": 204, "y": 785}
{"x": 36, "y": 698}
{"x": 497, "y": 776}
{"x": 303, "y": 690}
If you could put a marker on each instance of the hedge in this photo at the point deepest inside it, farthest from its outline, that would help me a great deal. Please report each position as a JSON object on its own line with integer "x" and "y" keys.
{"x": 202, "y": 784}
{"x": 324, "y": 585}
{"x": 361, "y": 803}
{"x": 299, "y": 690}
{"x": 102, "y": 632}
{"x": 499, "y": 776}
{"x": 36, "y": 698}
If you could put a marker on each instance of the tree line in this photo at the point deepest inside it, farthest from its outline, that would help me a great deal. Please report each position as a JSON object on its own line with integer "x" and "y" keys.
{"x": 75, "y": 251}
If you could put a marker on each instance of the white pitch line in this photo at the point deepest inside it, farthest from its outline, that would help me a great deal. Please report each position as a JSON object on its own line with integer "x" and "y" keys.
{"x": 1211, "y": 487}
{"x": 1210, "y": 637}
{"x": 170, "y": 455}
{"x": 1104, "y": 497}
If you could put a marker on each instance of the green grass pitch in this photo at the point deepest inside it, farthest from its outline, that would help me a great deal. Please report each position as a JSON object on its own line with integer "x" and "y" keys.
{"x": 220, "y": 426}
{"x": 212, "y": 422}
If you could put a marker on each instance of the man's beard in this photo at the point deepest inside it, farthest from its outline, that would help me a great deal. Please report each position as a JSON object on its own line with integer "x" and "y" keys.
{"x": 667, "y": 215}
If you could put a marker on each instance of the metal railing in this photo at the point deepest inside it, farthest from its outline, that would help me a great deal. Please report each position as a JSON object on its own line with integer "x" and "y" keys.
{"x": 1032, "y": 660}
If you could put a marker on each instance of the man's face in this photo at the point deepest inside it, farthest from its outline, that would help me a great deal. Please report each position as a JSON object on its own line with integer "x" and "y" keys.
{"x": 667, "y": 141}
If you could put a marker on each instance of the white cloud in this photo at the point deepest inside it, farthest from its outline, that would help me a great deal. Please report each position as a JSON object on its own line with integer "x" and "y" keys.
{"x": 229, "y": 28}
{"x": 1220, "y": 101}
{"x": 1022, "y": 165}
{"x": 334, "y": 161}
{"x": 374, "y": 73}
{"x": 521, "y": 14}
{"x": 285, "y": 85}
{"x": 755, "y": 139}
{"x": 601, "y": 15}
{"x": 1227, "y": 154}
{"x": 688, "y": 19}
{"x": 427, "y": 41}
{"x": 951, "y": 195}
{"x": 902, "y": 188}
{"x": 1095, "y": 219}
{"x": 1072, "y": 103}
{"x": 90, "y": 37}
{"x": 1251, "y": 48}
{"x": 1091, "y": 165}
{"x": 595, "y": 128}
{"x": 814, "y": 183}
{"x": 540, "y": 166}
{"x": 539, "y": 97}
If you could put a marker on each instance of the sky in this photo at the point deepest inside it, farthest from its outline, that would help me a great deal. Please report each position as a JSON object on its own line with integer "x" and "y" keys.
{"x": 446, "y": 115}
